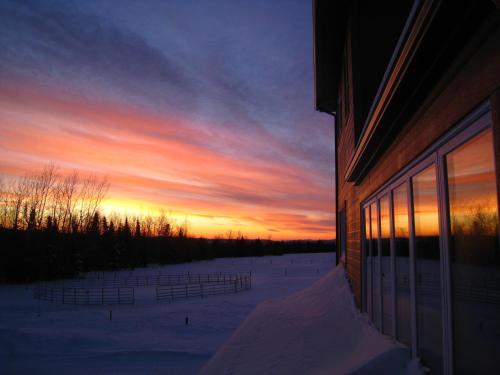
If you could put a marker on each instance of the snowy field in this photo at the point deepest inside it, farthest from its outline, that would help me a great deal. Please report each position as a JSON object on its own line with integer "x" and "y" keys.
{"x": 148, "y": 337}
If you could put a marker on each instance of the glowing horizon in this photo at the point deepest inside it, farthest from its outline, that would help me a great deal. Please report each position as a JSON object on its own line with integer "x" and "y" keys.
{"x": 229, "y": 144}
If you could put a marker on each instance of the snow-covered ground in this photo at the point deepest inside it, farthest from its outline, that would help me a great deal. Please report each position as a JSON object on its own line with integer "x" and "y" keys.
{"x": 317, "y": 330}
{"x": 146, "y": 338}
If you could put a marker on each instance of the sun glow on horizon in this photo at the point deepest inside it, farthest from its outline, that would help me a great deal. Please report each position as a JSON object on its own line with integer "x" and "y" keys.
{"x": 224, "y": 138}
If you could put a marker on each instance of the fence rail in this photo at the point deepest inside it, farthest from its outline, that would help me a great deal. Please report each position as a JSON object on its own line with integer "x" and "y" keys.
{"x": 85, "y": 296}
{"x": 102, "y": 291}
{"x": 146, "y": 281}
{"x": 235, "y": 284}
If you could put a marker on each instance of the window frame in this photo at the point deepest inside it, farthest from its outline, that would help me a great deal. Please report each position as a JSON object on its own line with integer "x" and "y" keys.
{"x": 471, "y": 125}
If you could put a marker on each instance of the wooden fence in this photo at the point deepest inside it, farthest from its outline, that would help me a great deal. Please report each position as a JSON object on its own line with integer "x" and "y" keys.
{"x": 85, "y": 296}
{"x": 204, "y": 288}
{"x": 151, "y": 280}
{"x": 101, "y": 291}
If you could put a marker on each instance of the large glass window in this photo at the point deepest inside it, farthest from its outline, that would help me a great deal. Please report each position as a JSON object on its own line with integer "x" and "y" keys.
{"x": 475, "y": 256}
{"x": 368, "y": 266}
{"x": 427, "y": 268}
{"x": 452, "y": 280}
{"x": 402, "y": 253}
{"x": 385, "y": 265}
{"x": 375, "y": 267}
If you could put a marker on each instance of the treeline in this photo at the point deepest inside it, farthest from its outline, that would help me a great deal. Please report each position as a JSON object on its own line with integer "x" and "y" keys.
{"x": 51, "y": 227}
{"x": 71, "y": 204}
{"x": 29, "y": 256}
{"x": 49, "y": 200}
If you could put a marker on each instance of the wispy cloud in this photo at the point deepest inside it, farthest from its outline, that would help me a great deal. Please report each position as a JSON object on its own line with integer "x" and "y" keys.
{"x": 216, "y": 125}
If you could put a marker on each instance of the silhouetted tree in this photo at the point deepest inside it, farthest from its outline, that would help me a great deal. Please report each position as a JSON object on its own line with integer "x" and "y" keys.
{"x": 137, "y": 228}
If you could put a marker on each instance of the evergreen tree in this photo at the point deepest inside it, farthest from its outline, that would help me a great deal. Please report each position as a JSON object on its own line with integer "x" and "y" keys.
{"x": 104, "y": 225}
{"x": 32, "y": 220}
{"x": 94, "y": 225}
{"x": 126, "y": 229}
{"x": 137, "y": 228}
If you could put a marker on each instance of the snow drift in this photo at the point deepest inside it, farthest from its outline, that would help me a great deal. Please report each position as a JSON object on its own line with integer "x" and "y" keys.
{"x": 315, "y": 331}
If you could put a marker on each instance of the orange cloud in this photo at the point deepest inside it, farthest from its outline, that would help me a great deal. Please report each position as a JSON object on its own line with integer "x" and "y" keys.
{"x": 158, "y": 162}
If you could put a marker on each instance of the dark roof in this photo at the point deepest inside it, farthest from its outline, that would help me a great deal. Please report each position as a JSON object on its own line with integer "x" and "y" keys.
{"x": 330, "y": 22}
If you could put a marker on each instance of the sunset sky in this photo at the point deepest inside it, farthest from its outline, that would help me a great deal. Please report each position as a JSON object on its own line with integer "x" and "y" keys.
{"x": 202, "y": 108}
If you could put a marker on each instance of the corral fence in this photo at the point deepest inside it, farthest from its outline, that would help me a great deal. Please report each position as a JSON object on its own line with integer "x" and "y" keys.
{"x": 121, "y": 291}
{"x": 204, "y": 287}
{"x": 84, "y": 296}
{"x": 145, "y": 281}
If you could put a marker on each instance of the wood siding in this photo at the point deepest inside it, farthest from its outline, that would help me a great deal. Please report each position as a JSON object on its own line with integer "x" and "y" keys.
{"x": 475, "y": 78}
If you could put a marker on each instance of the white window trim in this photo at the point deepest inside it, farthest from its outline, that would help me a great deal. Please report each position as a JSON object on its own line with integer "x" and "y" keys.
{"x": 474, "y": 123}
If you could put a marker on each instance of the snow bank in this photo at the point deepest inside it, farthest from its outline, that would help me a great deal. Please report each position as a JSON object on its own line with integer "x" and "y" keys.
{"x": 315, "y": 331}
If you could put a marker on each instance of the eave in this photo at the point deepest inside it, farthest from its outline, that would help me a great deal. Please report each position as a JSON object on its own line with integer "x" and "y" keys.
{"x": 329, "y": 26}
{"x": 411, "y": 37}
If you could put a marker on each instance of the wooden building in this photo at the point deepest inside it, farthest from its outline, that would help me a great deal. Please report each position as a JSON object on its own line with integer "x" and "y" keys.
{"x": 414, "y": 88}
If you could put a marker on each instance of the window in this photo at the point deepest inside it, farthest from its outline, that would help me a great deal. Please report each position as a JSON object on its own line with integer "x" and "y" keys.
{"x": 427, "y": 267}
{"x": 385, "y": 265}
{"x": 475, "y": 255}
{"x": 368, "y": 264}
{"x": 376, "y": 294}
{"x": 432, "y": 253}
{"x": 402, "y": 264}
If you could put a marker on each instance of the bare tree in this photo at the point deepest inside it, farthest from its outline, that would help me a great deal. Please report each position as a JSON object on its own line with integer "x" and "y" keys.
{"x": 39, "y": 188}
{"x": 91, "y": 194}
{"x": 46, "y": 181}
{"x": 148, "y": 225}
{"x": 164, "y": 227}
{"x": 67, "y": 189}
{"x": 183, "y": 229}
{"x": 19, "y": 194}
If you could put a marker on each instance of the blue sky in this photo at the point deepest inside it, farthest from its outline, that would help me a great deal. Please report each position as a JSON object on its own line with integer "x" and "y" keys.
{"x": 203, "y": 83}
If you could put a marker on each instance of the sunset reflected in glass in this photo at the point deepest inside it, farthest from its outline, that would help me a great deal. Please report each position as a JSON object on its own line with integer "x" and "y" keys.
{"x": 427, "y": 266}
{"x": 475, "y": 254}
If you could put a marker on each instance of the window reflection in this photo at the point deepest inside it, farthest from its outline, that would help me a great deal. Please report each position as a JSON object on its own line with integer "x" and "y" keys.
{"x": 375, "y": 266}
{"x": 385, "y": 252}
{"x": 475, "y": 256}
{"x": 402, "y": 253}
{"x": 368, "y": 262}
{"x": 427, "y": 267}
